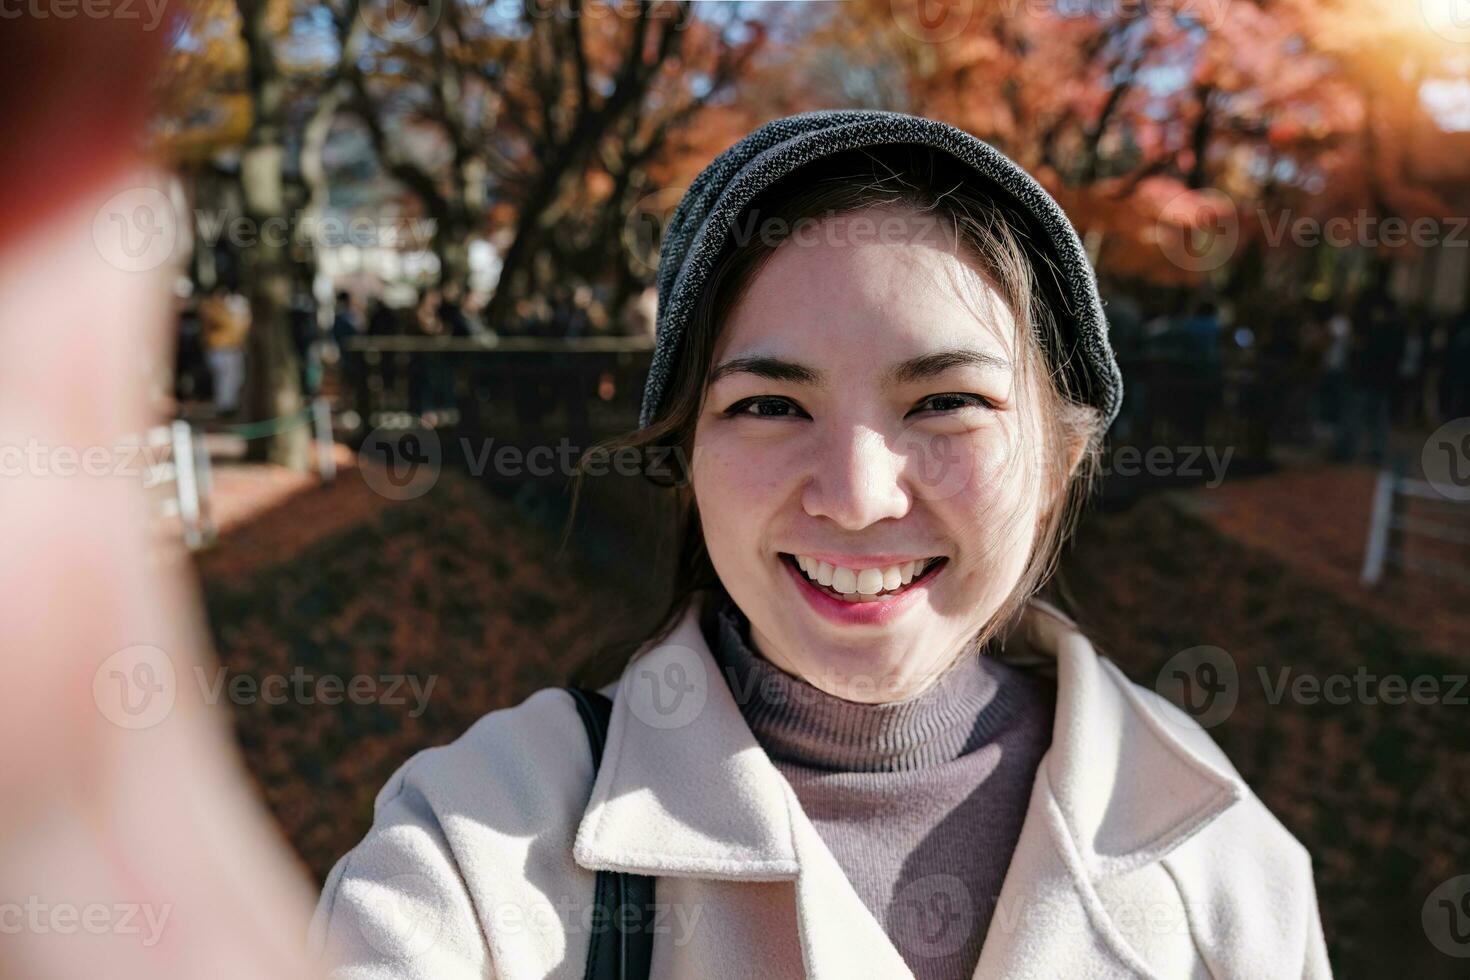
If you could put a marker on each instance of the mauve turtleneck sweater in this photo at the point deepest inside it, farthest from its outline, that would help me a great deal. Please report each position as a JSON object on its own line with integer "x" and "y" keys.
{"x": 920, "y": 801}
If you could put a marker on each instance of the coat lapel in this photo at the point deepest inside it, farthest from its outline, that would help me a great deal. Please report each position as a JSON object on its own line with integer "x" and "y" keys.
{"x": 1116, "y": 791}
{"x": 685, "y": 790}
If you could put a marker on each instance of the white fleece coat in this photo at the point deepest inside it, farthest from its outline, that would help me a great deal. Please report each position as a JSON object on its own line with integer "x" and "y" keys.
{"x": 1143, "y": 854}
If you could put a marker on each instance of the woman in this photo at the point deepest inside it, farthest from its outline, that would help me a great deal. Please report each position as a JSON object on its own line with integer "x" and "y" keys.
{"x": 856, "y": 745}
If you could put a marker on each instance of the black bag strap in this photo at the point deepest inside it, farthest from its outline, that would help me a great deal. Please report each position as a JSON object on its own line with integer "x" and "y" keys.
{"x": 621, "y": 945}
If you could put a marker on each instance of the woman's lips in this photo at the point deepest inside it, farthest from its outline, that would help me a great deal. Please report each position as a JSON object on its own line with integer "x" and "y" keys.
{"x": 869, "y": 610}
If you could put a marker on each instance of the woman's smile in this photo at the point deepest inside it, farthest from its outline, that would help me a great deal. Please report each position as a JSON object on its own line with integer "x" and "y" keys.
{"x": 858, "y": 591}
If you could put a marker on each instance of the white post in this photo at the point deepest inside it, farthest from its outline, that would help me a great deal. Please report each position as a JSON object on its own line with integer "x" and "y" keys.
{"x": 326, "y": 463}
{"x": 204, "y": 482}
{"x": 1379, "y": 528}
{"x": 184, "y": 483}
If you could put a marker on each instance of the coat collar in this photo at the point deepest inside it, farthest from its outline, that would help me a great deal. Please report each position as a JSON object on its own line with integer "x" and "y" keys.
{"x": 685, "y": 789}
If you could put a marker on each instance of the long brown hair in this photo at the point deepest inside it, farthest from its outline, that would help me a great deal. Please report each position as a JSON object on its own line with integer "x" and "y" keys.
{"x": 994, "y": 231}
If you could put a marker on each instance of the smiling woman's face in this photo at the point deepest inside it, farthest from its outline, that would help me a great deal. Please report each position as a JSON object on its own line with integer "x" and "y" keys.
{"x": 866, "y": 420}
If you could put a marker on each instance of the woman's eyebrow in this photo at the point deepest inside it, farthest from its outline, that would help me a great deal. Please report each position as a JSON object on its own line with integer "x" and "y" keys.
{"x": 931, "y": 365}
{"x": 915, "y": 369}
{"x": 770, "y": 368}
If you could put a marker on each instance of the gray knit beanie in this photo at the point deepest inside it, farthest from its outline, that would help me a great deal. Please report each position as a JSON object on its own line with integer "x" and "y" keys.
{"x": 701, "y": 227}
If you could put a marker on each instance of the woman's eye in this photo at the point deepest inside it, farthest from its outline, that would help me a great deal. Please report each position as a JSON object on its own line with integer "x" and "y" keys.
{"x": 765, "y": 407}
{"x": 951, "y": 401}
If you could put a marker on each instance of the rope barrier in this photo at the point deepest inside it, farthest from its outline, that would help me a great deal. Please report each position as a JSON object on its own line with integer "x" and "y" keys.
{"x": 267, "y": 427}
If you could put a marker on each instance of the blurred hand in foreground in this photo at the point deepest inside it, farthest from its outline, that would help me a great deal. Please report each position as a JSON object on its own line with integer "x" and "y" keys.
{"x": 132, "y": 845}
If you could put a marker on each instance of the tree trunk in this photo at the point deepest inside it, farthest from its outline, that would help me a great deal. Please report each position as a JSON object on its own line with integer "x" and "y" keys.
{"x": 273, "y": 378}
{"x": 451, "y": 247}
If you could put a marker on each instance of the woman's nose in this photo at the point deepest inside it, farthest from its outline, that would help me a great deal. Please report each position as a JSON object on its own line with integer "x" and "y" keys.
{"x": 857, "y": 479}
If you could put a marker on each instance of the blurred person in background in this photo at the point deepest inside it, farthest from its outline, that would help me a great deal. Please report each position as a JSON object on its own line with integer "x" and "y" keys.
{"x": 1334, "y": 392}
{"x": 640, "y": 314}
{"x": 306, "y": 333}
{"x": 1455, "y": 385}
{"x": 1409, "y": 397}
{"x": 431, "y": 379}
{"x": 1374, "y": 368}
{"x": 225, "y": 318}
{"x": 347, "y": 326}
{"x": 191, "y": 370}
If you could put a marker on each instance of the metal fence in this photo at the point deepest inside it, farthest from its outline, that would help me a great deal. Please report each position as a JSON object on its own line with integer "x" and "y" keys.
{"x": 517, "y": 390}
{"x": 1415, "y": 528}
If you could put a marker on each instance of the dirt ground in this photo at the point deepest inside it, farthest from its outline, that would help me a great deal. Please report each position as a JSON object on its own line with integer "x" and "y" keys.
{"x": 458, "y": 588}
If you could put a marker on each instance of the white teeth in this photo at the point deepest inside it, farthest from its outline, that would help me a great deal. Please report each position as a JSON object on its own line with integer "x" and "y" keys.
{"x": 865, "y": 581}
